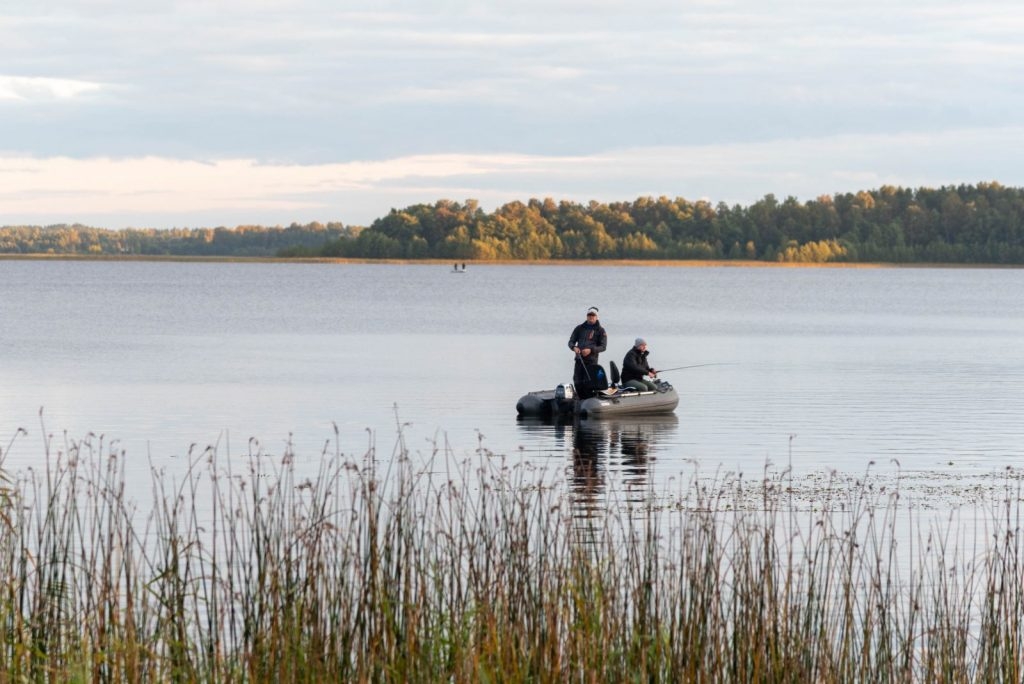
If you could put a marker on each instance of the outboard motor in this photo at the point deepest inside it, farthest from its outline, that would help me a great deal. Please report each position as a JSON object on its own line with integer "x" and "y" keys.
{"x": 565, "y": 397}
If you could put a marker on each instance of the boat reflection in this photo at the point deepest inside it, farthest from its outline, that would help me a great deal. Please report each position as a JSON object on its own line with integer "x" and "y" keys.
{"x": 610, "y": 459}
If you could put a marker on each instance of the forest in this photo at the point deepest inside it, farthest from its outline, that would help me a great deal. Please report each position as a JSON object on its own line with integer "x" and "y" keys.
{"x": 977, "y": 224}
{"x": 242, "y": 241}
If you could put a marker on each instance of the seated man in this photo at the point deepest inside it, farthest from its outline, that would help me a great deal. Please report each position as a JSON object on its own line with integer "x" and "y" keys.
{"x": 635, "y": 367}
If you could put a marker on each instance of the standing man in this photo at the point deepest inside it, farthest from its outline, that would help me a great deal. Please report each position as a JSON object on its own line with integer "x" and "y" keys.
{"x": 635, "y": 367}
{"x": 587, "y": 341}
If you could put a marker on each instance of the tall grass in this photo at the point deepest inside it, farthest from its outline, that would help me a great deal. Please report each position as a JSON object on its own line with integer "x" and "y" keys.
{"x": 375, "y": 569}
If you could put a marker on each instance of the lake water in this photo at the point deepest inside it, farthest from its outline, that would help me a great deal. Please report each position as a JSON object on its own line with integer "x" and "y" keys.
{"x": 824, "y": 368}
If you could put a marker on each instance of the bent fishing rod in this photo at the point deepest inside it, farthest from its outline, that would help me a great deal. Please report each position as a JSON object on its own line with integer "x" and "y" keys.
{"x": 699, "y": 365}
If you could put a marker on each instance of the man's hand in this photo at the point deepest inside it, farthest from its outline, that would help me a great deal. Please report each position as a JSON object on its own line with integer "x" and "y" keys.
{"x": 585, "y": 352}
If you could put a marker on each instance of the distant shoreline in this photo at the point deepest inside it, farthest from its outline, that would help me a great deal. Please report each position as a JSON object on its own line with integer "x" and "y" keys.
{"x": 670, "y": 263}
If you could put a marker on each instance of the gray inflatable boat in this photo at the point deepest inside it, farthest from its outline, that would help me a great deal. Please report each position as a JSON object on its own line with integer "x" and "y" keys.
{"x": 611, "y": 401}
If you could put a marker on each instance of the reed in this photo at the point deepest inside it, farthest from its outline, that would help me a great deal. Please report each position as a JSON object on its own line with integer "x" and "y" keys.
{"x": 378, "y": 569}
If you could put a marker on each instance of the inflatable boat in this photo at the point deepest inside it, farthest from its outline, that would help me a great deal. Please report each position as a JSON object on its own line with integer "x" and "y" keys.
{"x": 610, "y": 400}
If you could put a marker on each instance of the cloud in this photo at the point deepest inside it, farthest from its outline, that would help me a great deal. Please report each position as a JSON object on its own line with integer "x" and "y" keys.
{"x": 41, "y": 89}
{"x": 311, "y": 81}
{"x": 63, "y": 189}
{"x": 162, "y": 192}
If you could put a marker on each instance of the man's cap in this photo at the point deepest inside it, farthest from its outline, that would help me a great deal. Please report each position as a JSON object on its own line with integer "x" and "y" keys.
{"x": 639, "y": 342}
{"x": 592, "y": 310}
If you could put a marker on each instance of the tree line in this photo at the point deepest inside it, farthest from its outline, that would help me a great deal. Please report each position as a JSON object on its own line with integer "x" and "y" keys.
{"x": 981, "y": 223}
{"x": 241, "y": 241}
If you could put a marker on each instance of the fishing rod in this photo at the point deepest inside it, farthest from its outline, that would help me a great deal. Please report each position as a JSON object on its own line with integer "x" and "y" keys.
{"x": 699, "y": 365}
{"x": 579, "y": 360}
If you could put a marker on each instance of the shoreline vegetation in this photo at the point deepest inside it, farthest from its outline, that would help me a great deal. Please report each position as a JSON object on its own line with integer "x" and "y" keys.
{"x": 663, "y": 263}
{"x": 980, "y": 224}
{"x": 379, "y": 569}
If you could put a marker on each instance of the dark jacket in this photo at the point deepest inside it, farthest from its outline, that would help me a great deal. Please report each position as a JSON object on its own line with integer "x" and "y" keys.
{"x": 634, "y": 365}
{"x": 589, "y": 336}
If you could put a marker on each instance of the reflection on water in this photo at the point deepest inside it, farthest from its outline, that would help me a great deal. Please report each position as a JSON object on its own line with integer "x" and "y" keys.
{"x": 923, "y": 367}
{"x": 609, "y": 459}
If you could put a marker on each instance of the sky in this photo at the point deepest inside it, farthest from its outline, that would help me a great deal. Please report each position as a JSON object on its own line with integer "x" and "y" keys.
{"x": 144, "y": 113}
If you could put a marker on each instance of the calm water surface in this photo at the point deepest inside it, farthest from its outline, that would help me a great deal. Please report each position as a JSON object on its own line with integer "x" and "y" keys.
{"x": 823, "y": 368}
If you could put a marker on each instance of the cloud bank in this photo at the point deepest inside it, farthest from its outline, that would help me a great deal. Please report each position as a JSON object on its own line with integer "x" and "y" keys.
{"x": 164, "y": 113}
{"x": 163, "y": 192}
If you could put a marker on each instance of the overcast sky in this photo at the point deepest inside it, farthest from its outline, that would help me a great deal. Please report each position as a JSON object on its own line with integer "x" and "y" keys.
{"x": 122, "y": 113}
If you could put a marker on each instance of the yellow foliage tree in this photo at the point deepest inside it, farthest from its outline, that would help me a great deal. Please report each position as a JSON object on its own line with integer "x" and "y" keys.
{"x": 818, "y": 252}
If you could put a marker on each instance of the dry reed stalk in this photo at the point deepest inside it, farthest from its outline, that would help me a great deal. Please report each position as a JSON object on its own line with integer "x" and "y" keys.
{"x": 482, "y": 569}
